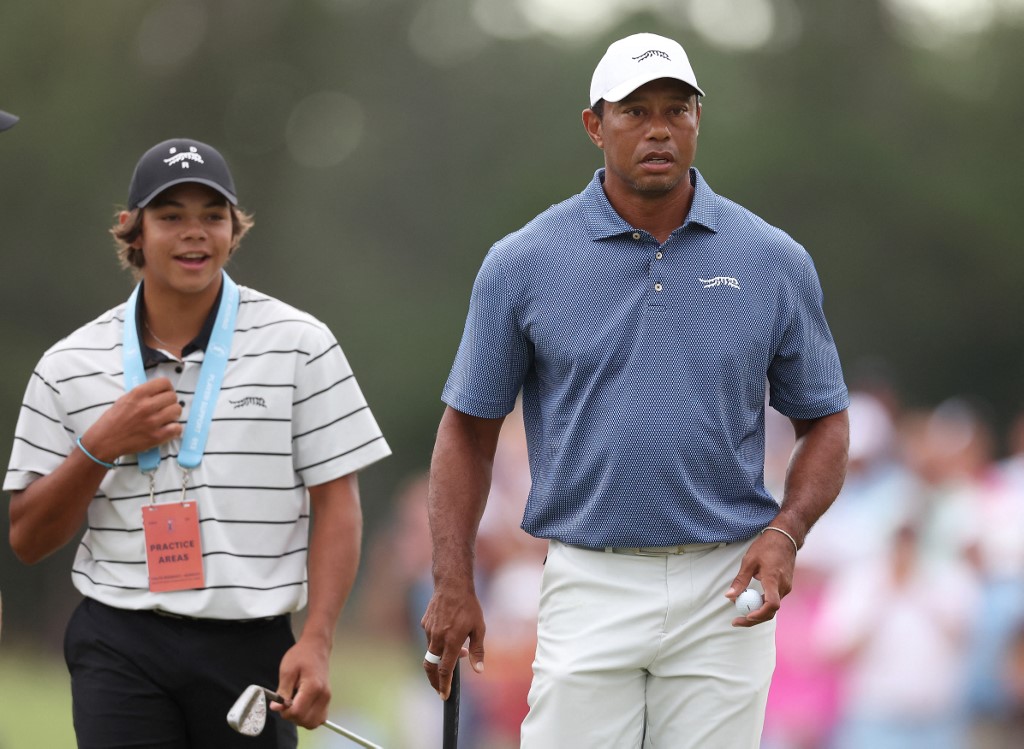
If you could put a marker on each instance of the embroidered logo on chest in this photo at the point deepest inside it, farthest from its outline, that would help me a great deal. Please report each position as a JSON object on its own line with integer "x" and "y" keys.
{"x": 719, "y": 281}
{"x": 249, "y": 400}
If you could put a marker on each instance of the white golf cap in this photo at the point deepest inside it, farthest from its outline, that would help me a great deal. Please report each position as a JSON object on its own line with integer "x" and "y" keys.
{"x": 638, "y": 59}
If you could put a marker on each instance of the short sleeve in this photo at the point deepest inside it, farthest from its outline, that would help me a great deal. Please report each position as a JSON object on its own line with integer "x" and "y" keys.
{"x": 494, "y": 354}
{"x": 41, "y": 442}
{"x": 805, "y": 378}
{"x": 334, "y": 432}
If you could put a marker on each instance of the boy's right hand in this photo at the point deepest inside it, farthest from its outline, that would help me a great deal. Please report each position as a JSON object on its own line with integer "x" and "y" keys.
{"x": 142, "y": 418}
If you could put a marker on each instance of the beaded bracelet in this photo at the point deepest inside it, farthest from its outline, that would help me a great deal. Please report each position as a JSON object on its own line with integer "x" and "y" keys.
{"x": 92, "y": 457}
{"x": 787, "y": 534}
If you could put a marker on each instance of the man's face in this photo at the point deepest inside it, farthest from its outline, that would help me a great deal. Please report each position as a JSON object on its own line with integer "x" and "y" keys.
{"x": 186, "y": 240}
{"x": 649, "y": 138}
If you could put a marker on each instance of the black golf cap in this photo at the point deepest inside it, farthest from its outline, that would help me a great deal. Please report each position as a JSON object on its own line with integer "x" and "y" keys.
{"x": 7, "y": 120}
{"x": 174, "y": 162}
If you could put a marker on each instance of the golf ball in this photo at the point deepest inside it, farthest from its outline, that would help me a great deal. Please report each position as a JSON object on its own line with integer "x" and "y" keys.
{"x": 749, "y": 600}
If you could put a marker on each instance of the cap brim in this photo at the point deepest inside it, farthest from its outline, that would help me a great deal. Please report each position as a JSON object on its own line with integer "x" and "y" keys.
{"x": 620, "y": 92}
{"x": 209, "y": 183}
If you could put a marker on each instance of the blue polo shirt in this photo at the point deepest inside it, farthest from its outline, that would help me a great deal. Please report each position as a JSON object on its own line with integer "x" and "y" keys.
{"x": 643, "y": 367}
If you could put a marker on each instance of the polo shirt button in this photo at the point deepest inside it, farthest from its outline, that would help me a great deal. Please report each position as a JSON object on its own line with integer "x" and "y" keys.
{"x": 178, "y": 369}
{"x": 636, "y": 235}
{"x": 657, "y": 287}
{"x": 657, "y": 255}
{"x": 181, "y": 403}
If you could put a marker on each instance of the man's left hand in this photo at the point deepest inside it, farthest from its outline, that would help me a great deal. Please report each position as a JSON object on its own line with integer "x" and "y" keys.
{"x": 770, "y": 559}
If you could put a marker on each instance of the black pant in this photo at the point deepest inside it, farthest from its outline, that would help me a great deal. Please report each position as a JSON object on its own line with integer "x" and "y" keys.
{"x": 139, "y": 679}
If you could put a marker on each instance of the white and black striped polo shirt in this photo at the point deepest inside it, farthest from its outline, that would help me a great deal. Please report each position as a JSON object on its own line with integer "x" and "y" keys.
{"x": 290, "y": 415}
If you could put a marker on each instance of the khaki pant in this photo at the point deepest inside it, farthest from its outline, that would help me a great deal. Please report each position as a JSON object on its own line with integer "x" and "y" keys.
{"x": 639, "y": 651}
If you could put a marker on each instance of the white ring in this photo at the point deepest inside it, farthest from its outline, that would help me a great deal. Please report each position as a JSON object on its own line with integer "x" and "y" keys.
{"x": 431, "y": 658}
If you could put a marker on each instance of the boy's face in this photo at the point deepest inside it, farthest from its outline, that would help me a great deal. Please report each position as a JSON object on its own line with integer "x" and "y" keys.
{"x": 186, "y": 240}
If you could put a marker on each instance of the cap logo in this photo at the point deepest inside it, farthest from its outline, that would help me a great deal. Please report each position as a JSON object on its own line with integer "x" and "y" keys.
{"x": 184, "y": 158}
{"x": 652, "y": 53}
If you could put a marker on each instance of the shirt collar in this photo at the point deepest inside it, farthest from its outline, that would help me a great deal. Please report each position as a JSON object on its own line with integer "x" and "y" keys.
{"x": 151, "y": 356}
{"x": 605, "y": 222}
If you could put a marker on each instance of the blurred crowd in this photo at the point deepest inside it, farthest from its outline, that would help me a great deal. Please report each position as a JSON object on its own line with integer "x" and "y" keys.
{"x": 905, "y": 628}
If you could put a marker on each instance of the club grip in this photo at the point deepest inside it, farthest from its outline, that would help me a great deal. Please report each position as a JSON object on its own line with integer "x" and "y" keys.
{"x": 450, "y": 731}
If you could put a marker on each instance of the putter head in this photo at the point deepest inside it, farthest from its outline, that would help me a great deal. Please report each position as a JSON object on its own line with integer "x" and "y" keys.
{"x": 248, "y": 715}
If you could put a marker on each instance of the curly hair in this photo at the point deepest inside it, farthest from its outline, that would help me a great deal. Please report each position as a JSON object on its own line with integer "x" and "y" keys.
{"x": 127, "y": 231}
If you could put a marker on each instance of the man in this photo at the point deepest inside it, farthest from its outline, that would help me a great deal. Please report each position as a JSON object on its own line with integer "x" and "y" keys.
{"x": 641, "y": 319}
{"x": 197, "y": 431}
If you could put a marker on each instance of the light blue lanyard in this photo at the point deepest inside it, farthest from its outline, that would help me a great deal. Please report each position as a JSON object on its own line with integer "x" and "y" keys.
{"x": 211, "y": 375}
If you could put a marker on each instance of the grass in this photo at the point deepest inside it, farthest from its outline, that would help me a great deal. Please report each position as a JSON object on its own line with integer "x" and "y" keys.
{"x": 35, "y": 701}
{"x": 35, "y": 695}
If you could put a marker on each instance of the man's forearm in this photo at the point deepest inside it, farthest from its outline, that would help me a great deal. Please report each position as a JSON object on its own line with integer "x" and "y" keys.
{"x": 460, "y": 480}
{"x": 816, "y": 473}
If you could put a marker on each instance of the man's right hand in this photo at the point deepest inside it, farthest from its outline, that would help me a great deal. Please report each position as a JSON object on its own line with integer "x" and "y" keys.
{"x": 460, "y": 479}
{"x": 450, "y": 619}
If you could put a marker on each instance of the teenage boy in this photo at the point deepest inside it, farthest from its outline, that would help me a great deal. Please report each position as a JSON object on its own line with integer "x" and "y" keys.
{"x": 208, "y": 437}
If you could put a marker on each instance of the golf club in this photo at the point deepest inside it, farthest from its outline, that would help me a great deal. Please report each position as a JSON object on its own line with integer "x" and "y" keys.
{"x": 450, "y": 730}
{"x": 248, "y": 715}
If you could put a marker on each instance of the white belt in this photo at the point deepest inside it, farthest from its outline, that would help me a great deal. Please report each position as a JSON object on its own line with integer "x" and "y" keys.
{"x": 656, "y": 551}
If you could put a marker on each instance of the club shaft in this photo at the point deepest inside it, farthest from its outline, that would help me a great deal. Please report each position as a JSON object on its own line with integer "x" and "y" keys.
{"x": 275, "y": 697}
{"x": 350, "y": 736}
